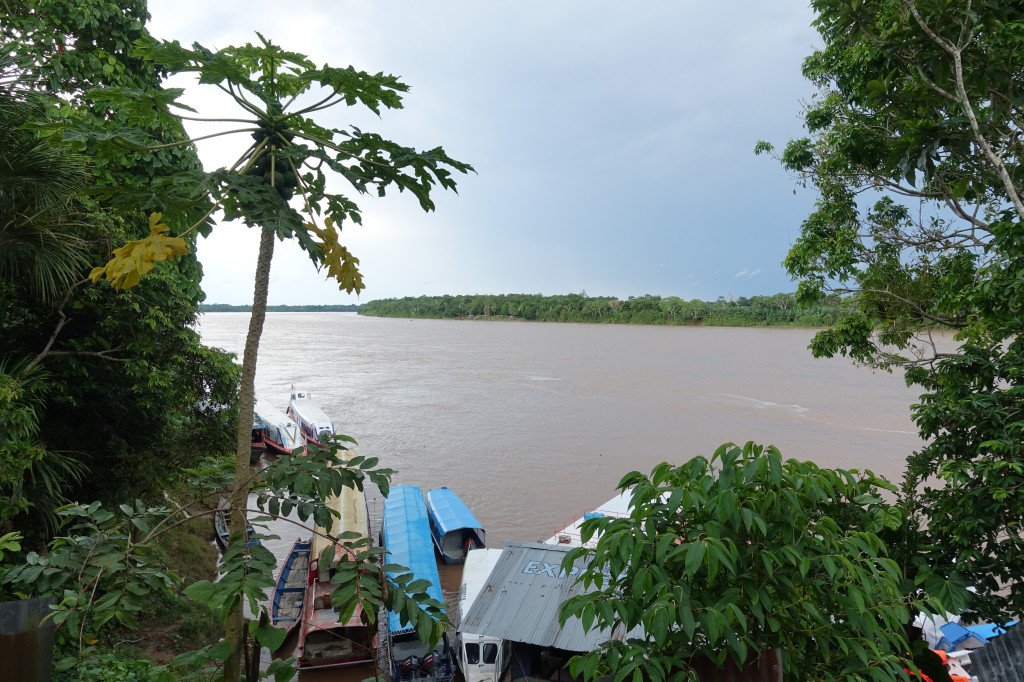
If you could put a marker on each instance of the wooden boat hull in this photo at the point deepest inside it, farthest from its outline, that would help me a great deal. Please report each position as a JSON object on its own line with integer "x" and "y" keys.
{"x": 290, "y": 593}
{"x": 324, "y": 642}
{"x": 222, "y": 526}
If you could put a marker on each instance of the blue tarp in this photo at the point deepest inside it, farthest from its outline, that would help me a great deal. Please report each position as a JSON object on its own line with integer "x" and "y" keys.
{"x": 407, "y": 538}
{"x": 954, "y": 634}
{"x": 449, "y": 511}
{"x": 989, "y": 630}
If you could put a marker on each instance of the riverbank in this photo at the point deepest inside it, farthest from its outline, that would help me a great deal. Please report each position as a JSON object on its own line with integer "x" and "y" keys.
{"x": 172, "y": 625}
{"x": 779, "y": 310}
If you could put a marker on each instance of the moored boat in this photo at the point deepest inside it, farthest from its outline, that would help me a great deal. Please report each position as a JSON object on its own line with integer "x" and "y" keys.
{"x": 324, "y": 642}
{"x": 281, "y": 434}
{"x": 482, "y": 658}
{"x": 315, "y": 425}
{"x": 452, "y": 526}
{"x": 222, "y": 526}
{"x": 290, "y": 592}
{"x": 259, "y": 443}
{"x": 405, "y": 533}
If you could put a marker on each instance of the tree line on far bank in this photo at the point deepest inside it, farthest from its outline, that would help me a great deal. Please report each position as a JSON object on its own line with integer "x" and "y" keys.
{"x": 756, "y": 311}
{"x": 228, "y": 308}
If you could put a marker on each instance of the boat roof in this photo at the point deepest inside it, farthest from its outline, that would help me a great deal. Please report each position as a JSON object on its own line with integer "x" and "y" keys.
{"x": 521, "y": 598}
{"x": 303, "y": 405}
{"x": 320, "y": 543}
{"x": 449, "y": 511}
{"x": 407, "y": 538}
{"x": 271, "y": 414}
{"x": 618, "y": 507}
{"x": 350, "y": 503}
{"x": 476, "y": 570}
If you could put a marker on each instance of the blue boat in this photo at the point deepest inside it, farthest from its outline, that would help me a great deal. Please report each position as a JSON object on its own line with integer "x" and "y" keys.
{"x": 405, "y": 534}
{"x": 454, "y": 528}
{"x": 290, "y": 592}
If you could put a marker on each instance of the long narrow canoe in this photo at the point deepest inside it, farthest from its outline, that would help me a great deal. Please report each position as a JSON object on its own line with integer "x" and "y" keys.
{"x": 222, "y": 525}
{"x": 290, "y": 592}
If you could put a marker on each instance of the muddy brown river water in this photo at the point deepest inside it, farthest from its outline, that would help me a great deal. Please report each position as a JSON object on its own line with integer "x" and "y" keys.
{"x": 533, "y": 423}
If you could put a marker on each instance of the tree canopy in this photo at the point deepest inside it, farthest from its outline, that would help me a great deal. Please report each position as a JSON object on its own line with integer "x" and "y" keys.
{"x": 132, "y": 372}
{"x": 727, "y": 556}
{"x": 914, "y": 150}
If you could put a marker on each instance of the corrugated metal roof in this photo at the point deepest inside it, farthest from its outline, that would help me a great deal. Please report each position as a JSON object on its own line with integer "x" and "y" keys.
{"x": 449, "y": 511}
{"x": 407, "y": 538}
{"x": 1002, "y": 659}
{"x": 520, "y": 600}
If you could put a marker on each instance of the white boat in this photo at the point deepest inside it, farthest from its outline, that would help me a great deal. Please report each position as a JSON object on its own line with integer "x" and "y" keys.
{"x": 618, "y": 507}
{"x": 280, "y": 433}
{"x": 480, "y": 657}
{"x": 315, "y": 425}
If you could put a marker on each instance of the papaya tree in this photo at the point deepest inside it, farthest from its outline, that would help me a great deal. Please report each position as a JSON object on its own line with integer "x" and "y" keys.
{"x": 278, "y": 185}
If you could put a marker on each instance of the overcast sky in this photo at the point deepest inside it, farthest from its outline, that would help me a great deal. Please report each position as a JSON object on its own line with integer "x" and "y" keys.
{"x": 613, "y": 143}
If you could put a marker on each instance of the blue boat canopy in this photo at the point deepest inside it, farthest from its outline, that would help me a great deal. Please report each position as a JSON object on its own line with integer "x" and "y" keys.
{"x": 407, "y": 538}
{"x": 450, "y": 512}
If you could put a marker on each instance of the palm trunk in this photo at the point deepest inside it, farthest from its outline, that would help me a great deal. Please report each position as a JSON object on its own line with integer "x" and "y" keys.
{"x": 234, "y": 631}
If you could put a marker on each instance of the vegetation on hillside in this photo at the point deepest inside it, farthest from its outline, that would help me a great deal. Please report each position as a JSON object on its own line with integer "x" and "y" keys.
{"x": 91, "y": 382}
{"x": 101, "y": 565}
{"x": 756, "y": 311}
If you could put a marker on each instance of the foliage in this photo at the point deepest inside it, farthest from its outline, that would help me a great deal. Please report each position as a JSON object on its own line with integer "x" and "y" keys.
{"x": 30, "y": 475}
{"x": 277, "y": 91}
{"x": 727, "y": 556}
{"x": 914, "y": 150}
{"x": 780, "y": 309}
{"x": 37, "y": 241}
{"x": 107, "y": 570}
{"x": 110, "y": 666}
{"x": 133, "y": 374}
{"x": 136, "y": 258}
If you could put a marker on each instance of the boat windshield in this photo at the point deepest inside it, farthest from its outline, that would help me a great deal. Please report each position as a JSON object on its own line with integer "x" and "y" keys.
{"x": 490, "y": 653}
{"x": 472, "y": 653}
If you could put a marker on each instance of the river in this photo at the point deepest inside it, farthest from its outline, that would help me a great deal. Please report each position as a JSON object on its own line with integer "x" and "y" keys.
{"x": 532, "y": 423}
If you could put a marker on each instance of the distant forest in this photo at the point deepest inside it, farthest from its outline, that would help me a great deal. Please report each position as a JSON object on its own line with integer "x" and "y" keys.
{"x": 225, "y": 308}
{"x": 757, "y": 311}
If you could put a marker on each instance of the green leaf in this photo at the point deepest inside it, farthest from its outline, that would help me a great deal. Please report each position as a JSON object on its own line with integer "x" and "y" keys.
{"x": 694, "y": 557}
{"x": 271, "y": 637}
